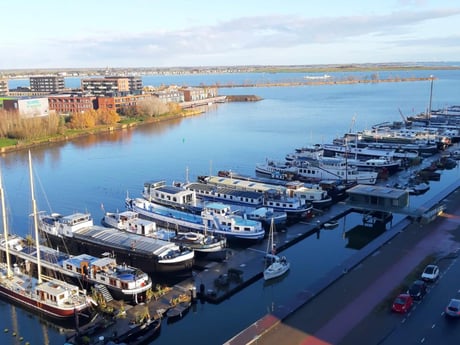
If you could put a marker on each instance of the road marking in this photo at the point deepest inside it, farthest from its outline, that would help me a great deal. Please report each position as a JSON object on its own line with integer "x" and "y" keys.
{"x": 433, "y": 326}
{"x": 423, "y": 340}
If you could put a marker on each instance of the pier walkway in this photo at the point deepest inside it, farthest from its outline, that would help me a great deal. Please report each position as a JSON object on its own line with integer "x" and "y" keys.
{"x": 219, "y": 280}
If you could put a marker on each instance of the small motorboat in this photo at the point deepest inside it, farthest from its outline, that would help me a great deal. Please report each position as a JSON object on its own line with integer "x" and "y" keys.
{"x": 178, "y": 311}
{"x": 330, "y": 224}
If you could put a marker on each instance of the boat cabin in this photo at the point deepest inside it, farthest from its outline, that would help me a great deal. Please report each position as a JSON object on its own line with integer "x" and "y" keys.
{"x": 173, "y": 195}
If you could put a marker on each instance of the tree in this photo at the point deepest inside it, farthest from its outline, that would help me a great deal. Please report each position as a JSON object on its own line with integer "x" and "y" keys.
{"x": 107, "y": 117}
{"x": 86, "y": 119}
{"x": 152, "y": 107}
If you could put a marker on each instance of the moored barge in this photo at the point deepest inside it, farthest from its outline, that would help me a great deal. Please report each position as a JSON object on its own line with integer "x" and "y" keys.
{"x": 78, "y": 234}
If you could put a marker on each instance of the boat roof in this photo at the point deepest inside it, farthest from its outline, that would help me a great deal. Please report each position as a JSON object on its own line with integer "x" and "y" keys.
{"x": 243, "y": 184}
{"x": 124, "y": 240}
{"x": 92, "y": 260}
{"x": 224, "y": 190}
{"x": 75, "y": 218}
{"x": 217, "y": 206}
{"x": 377, "y": 191}
{"x": 172, "y": 190}
{"x": 127, "y": 214}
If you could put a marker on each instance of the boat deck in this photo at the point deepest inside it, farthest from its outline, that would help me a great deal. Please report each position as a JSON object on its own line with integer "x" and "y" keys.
{"x": 123, "y": 240}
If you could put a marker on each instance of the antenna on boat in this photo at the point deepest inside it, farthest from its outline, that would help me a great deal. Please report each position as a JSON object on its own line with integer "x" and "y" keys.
{"x": 352, "y": 125}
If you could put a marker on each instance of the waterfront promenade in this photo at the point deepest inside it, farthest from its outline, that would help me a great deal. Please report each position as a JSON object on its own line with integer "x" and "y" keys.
{"x": 335, "y": 310}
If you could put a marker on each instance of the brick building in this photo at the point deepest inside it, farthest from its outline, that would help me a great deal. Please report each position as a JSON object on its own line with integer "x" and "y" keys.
{"x": 70, "y": 104}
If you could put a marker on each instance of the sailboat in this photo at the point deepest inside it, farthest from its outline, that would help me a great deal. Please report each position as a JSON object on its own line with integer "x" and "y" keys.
{"x": 53, "y": 298}
{"x": 278, "y": 265}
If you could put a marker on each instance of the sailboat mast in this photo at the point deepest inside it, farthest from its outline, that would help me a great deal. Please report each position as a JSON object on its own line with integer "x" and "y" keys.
{"x": 5, "y": 228}
{"x": 34, "y": 211}
{"x": 431, "y": 96}
{"x": 270, "y": 242}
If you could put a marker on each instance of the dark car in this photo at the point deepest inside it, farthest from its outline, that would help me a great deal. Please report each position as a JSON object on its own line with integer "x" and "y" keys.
{"x": 417, "y": 290}
{"x": 402, "y": 303}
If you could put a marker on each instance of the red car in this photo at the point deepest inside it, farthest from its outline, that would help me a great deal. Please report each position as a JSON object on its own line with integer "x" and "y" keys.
{"x": 402, "y": 303}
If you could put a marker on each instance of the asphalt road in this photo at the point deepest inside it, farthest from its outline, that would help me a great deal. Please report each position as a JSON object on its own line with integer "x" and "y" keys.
{"x": 356, "y": 309}
{"x": 426, "y": 323}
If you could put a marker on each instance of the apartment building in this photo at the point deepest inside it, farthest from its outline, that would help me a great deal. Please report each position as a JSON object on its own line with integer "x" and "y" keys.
{"x": 3, "y": 87}
{"x": 105, "y": 87}
{"x": 49, "y": 84}
{"x": 115, "y": 103}
{"x": 135, "y": 83}
{"x": 71, "y": 104}
{"x": 192, "y": 94}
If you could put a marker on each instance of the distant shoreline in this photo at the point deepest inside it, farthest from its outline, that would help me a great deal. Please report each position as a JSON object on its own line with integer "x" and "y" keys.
{"x": 331, "y": 81}
{"x": 75, "y": 72}
{"x": 196, "y": 111}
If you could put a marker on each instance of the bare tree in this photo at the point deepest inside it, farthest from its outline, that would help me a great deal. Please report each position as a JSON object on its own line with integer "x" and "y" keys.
{"x": 152, "y": 107}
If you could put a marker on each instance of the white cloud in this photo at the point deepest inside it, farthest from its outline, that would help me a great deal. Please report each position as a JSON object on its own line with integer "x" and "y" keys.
{"x": 260, "y": 39}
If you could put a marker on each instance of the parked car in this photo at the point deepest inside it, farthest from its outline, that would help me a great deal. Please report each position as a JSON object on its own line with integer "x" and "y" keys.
{"x": 417, "y": 290}
{"x": 453, "y": 308}
{"x": 430, "y": 273}
{"x": 402, "y": 303}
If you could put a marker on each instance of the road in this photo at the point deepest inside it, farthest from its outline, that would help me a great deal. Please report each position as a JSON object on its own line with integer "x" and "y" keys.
{"x": 426, "y": 323}
{"x": 356, "y": 309}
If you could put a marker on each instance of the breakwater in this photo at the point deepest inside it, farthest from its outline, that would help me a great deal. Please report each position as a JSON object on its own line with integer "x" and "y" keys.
{"x": 243, "y": 98}
{"x": 319, "y": 81}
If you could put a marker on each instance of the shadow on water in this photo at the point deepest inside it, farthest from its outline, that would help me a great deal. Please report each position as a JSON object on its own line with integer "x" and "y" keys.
{"x": 360, "y": 236}
{"x": 373, "y": 225}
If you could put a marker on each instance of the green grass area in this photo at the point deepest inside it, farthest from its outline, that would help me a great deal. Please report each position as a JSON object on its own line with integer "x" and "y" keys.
{"x": 6, "y": 142}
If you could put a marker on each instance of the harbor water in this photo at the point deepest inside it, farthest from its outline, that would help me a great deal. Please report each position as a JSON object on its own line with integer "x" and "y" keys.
{"x": 97, "y": 172}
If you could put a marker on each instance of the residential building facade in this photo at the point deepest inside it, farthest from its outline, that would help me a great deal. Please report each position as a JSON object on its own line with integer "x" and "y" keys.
{"x": 71, "y": 104}
{"x": 105, "y": 87}
{"x": 49, "y": 84}
{"x": 4, "y": 87}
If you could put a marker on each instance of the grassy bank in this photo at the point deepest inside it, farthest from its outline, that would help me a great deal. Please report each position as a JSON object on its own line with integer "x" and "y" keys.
{"x": 11, "y": 145}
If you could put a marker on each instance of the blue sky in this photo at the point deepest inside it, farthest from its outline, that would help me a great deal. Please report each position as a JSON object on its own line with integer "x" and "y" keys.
{"x": 150, "y": 33}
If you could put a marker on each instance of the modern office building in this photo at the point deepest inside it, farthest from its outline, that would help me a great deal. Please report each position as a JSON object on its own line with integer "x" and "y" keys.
{"x": 28, "y": 107}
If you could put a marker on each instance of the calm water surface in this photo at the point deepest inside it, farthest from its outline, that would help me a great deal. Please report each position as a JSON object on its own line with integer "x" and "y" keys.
{"x": 85, "y": 173}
